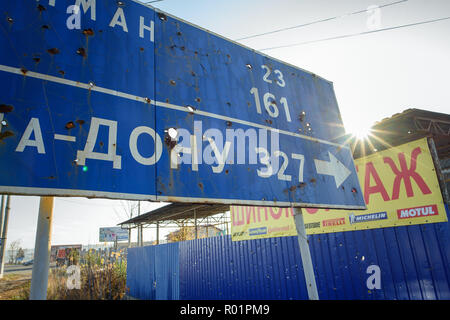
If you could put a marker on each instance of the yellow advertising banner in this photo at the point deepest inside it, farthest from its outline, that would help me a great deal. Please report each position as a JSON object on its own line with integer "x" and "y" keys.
{"x": 400, "y": 188}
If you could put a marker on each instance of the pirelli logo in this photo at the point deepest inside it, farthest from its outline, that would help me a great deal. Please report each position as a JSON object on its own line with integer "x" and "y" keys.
{"x": 416, "y": 212}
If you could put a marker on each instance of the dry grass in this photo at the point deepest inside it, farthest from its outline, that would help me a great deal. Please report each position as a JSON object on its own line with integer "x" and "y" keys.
{"x": 11, "y": 285}
{"x": 98, "y": 281}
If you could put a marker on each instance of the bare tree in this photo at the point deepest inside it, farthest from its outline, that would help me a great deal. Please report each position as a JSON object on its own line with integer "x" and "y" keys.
{"x": 128, "y": 210}
{"x": 13, "y": 247}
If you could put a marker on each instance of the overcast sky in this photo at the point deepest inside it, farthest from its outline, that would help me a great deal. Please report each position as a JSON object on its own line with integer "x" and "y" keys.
{"x": 375, "y": 76}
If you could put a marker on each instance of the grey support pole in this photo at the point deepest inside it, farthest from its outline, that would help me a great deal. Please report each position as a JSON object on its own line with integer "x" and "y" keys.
{"x": 306, "y": 255}
{"x": 4, "y": 234}
{"x": 39, "y": 277}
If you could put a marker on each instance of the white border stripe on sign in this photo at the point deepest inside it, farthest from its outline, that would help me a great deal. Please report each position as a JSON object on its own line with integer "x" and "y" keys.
{"x": 93, "y": 87}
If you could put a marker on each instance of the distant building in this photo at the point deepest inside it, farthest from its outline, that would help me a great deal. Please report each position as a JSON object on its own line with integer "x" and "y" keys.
{"x": 188, "y": 233}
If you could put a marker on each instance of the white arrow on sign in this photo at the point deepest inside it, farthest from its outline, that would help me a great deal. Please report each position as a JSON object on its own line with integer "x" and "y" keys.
{"x": 333, "y": 168}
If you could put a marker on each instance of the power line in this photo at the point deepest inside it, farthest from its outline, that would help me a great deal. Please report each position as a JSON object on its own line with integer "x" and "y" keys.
{"x": 354, "y": 34}
{"x": 317, "y": 21}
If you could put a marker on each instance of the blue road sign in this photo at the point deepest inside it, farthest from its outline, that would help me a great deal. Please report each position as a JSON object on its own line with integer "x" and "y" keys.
{"x": 116, "y": 99}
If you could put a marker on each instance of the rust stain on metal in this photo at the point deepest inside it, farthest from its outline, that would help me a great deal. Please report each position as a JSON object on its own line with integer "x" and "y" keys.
{"x": 313, "y": 180}
{"x": 24, "y": 71}
{"x": 80, "y": 122}
{"x": 302, "y": 185}
{"x": 53, "y": 50}
{"x": 61, "y": 72}
{"x": 269, "y": 121}
{"x": 82, "y": 52}
{"x": 36, "y": 59}
{"x": 6, "y": 134}
{"x": 70, "y": 125}
{"x": 41, "y": 8}
{"x": 5, "y": 108}
{"x": 88, "y": 32}
{"x": 169, "y": 142}
{"x": 200, "y": 185}
{"x": 172, "y": 82}
{"x": 229, "y": 123}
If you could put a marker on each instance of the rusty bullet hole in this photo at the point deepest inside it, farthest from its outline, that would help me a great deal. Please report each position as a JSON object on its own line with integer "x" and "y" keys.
{"x": 269, "y": 121}
{"x": 147, "y": 100}
{"x": 120, "y": 3}
{"x": 61, "y": 72}
{"x": 4, "y": 123}
{"x": 169, "y": 142}
{"x": 41, "y": 8}
{"x": 162, "y": 16}
{"x": 190, "y": 108}
{"x": 178, "y": 33}
{"x": 10, "y": 20}
{"x": 101, "y": 143}
{"x": 302, "y": 115}
{"x": 142, "y": 49}
{"x": 45, "y": 27}
{"x": 229, "y": 104}
{"x": 249, "y": 66}
{"x": 200, "y": 185}
{"x": 4, "y": 108}
{"x": 293, "y": 188}
{"x": 354, "y": 190}
{"x": 69, "y": 125}
{"x": 302, "y": 185}
{"x": 167, "y": 100}
{"x": 313, "y": 180}
{"x": 51, "y": 177}
{"x": 198, "y": 99}
{"x": 195, "y": 52}
{"x": 228, "y": 56}
{"x": 229, "y": 123}
{"x": 172, "y": 82}
{"x": 226, "y": 171}
{"x": 88, "y": 32}
{"x": 81, "y": 52}
{"x": 24, "y": 71}
{"x": 37, "y": 59}
{"x": 80, "y": 122}
{"x": 182, "y": 48}
{"x": 193, "y": 73}
{"x": 6, "y": 134}
{"x": 53, "y": 51}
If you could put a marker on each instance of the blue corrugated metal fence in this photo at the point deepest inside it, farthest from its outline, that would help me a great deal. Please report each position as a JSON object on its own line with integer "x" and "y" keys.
{"x": 413, "y": 263}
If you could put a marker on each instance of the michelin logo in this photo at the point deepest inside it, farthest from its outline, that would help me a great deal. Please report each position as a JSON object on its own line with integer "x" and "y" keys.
{"x": 367, "y": 217}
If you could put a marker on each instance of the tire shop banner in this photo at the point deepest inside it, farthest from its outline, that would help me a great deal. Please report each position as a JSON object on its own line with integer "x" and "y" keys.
{"x": 400, "y": 188}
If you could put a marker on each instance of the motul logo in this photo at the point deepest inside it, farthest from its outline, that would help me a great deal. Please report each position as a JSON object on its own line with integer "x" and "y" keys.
{"x": 417, "y": 212}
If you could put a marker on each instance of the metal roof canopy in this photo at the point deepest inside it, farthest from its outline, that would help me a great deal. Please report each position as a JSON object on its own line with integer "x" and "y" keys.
{"x": 176, "y": 211}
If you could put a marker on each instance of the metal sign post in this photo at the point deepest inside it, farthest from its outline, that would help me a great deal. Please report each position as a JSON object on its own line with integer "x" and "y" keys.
{"x": 4, "y": 234}
{"x": 39, "y": 276}
{"x": 305, "y": 255}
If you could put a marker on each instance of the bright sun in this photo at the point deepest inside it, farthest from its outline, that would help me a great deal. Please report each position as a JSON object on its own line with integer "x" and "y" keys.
{"x": 359, "y": 130}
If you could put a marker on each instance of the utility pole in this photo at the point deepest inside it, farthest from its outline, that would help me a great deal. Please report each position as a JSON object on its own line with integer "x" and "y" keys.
{"x": 39, "y": 276}
{"x": 4, "y": 233}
